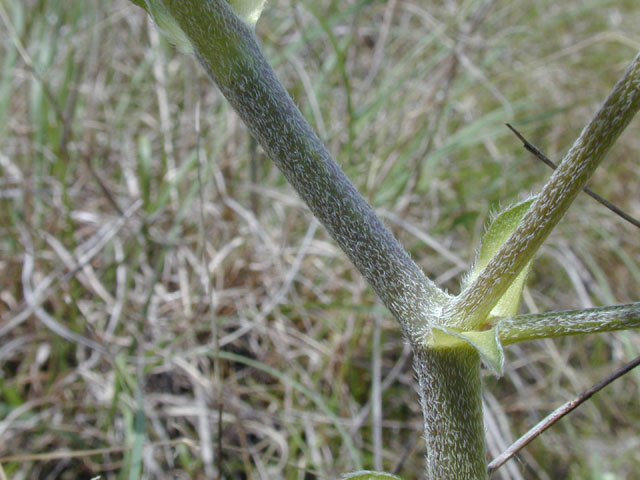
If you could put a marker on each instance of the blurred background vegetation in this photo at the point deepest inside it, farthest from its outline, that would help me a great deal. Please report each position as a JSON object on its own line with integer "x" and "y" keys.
{"x": 140, "y": 227}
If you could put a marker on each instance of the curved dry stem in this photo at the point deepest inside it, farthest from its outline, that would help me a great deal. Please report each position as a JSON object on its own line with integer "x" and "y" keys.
{"x": 557, "y": 414}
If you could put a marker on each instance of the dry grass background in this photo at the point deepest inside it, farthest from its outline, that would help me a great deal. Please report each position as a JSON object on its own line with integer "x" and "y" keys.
{"x": 134, "y": 239}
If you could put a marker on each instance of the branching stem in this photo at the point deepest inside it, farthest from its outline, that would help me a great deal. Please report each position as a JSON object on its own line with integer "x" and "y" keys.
{"x": 471, "y": 308}
{"x": 449, "y": 378}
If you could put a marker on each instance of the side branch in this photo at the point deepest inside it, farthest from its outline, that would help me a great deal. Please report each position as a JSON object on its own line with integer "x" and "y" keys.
{"x": 229, "y": 52}
{"x": 571, "y": 322}
{"x": 472, "y": 307}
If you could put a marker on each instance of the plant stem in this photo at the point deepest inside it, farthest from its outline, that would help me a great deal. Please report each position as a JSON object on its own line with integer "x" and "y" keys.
{"x": 228, "y": 50}
{"x": 449, "y": 378}
{"x": 544, "y": 159}
{"x": 450, "y": 394}
{"x": 571, "y": 322}
{"x": 471, "y": 308}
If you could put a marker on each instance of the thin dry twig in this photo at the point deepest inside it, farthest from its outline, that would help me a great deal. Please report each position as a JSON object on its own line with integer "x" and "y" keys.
{"x": 557, "y": 414}
{"x": 541, "y": 156}
{"x": 66, "y": 454}
{"x": 84, "y": 254}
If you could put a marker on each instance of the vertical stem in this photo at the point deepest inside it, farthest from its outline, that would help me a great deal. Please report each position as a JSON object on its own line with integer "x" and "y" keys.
{"x": 450, "y": 394}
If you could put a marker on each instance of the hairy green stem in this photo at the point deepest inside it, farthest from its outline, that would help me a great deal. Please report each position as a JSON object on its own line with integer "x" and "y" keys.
{"x": 571, "y": 322}
{"x": 449, "y": 378}
{"x": 450, "y": 394}
{"x": 471, "y": 308}
{"x": 229, "y": 52}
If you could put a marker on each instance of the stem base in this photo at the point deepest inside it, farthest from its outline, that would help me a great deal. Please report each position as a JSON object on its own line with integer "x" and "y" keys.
{"x": 450, "y": 394}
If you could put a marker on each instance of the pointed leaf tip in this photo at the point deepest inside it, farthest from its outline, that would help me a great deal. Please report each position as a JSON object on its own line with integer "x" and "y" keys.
{"x": 247, "y": 10}
{"x": 168, "y": 26}
{"x": 496, "y": 235}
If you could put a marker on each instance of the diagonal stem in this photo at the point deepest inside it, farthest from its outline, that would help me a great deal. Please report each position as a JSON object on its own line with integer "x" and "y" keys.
{"x": 228, "y": 50}
{"x": 544, "y": 159}
{"x": 471, "y": 308}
